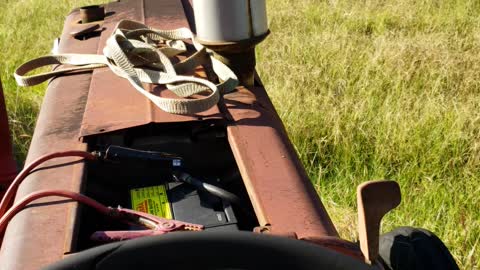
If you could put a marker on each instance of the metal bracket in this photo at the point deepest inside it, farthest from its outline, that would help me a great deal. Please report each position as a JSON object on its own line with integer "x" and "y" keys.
{"x": 267, "y": 229}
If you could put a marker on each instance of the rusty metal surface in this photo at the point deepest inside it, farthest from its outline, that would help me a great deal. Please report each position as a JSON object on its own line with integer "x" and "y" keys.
{"x": 275, "y": 178}
{"x": 281, "y": 193}
{"x": 37, "y": 236}
{"x": 337, "y": 244}
{"x": 113, "y": 103}
{"x": 58, "y": 127}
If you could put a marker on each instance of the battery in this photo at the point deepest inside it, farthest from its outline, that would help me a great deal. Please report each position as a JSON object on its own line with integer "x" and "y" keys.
{"x": 152, "y": 200}
{"x": 181, "y": 201}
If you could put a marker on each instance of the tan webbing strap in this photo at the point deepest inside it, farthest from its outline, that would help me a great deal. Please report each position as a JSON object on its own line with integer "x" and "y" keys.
{"x": 142, "y": 55}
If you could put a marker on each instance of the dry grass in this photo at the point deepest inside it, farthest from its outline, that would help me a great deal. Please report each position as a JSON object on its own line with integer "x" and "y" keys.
{"x": 382, "y": 89}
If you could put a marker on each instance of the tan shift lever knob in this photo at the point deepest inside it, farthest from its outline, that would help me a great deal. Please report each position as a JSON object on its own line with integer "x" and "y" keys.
{"x": 374, "y": 199}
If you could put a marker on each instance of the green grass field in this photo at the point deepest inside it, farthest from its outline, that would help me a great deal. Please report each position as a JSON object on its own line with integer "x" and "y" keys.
{"x": 367, "y": 90}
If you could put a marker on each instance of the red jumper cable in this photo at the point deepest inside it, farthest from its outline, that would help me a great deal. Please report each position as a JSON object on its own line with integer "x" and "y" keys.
{"x": 152, "y": 225}
{"x": 10, "y": 193}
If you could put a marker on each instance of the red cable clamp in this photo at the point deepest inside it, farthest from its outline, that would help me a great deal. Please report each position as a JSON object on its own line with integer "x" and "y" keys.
{"x": 154, "y": 226}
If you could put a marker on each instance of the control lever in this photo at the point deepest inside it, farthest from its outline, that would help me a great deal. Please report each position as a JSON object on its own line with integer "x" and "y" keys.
{"x": 374, "y": 199}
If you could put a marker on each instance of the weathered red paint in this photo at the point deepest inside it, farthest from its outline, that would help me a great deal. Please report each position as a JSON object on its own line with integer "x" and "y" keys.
{"x": 41, "y": 235}
{"x": 337, "y": 244}
{"x": 260, "y": 144}
{"x": 282, "y": 195}
{"x": 112, "y": 103}
{"x": 8, "y": 168}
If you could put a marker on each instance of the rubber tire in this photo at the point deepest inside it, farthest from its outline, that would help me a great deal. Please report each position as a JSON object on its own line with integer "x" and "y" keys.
{"x": 408, "y": 248}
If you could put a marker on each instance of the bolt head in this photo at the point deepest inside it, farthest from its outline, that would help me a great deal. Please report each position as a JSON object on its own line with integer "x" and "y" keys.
{"x": 167, "y": 225}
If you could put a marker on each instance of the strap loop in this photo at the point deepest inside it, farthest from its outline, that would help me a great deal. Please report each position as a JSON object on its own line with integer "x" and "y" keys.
{"x": 142, "y": 55}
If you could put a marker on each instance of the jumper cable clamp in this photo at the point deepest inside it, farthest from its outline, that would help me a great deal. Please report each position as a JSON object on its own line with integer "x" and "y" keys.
{"x": 153, "y": 226}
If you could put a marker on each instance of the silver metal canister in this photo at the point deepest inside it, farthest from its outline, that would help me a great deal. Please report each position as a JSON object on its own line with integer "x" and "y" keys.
{"x": 231, "y": 29}
{"x": 230, "y": 20}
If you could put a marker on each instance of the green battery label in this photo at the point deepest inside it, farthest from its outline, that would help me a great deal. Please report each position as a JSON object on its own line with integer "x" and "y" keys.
{"x": 152, "y": 200}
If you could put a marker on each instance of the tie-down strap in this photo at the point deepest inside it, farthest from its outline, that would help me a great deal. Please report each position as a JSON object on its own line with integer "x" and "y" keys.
{"x": 143, "y": 55}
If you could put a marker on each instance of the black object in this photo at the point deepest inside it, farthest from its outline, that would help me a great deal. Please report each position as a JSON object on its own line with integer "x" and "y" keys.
{"x": 200, "y": 207}
{"x": 212, "y": 189}
{"x": 161, "y": 160}
{"x": 209, "y": 250}
{"x": 92, "y": 13}
{"x": 408, "y": 248}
